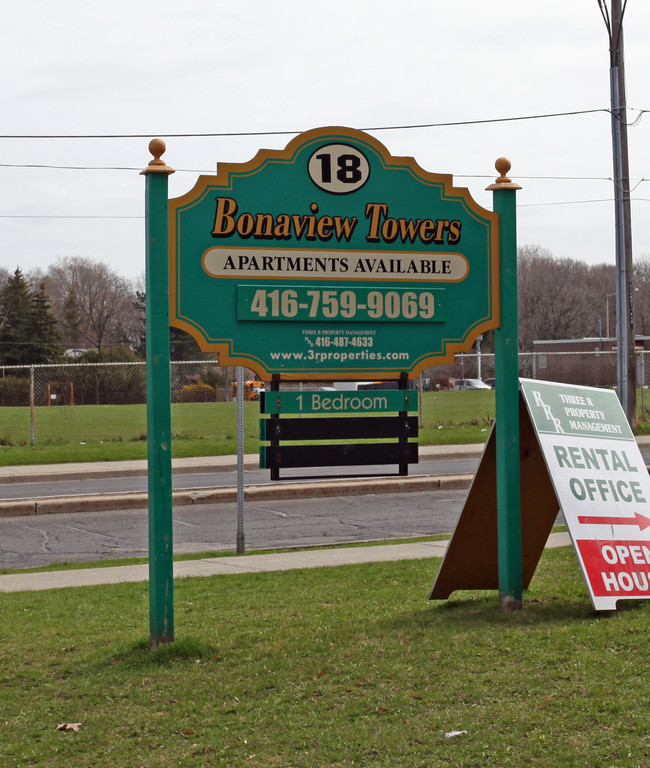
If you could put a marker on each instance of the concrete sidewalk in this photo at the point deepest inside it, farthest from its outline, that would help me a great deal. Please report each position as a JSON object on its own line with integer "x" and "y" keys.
{"x": 219, "y": 566}
{"x": 325, "y": 487}
{"x": 32, "y": 473}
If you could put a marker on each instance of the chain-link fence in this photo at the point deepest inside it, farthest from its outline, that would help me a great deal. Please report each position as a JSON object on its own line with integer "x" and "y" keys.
{"x": 106, "y": 402}
{"x": 53, "y": 404}
{"x": 594, "y": 369}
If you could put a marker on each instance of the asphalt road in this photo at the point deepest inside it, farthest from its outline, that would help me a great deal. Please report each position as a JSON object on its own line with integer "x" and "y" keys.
{"x": 87, "y": 536}
{"x": 31, "y": 540}
{"x": 131, "y": 484}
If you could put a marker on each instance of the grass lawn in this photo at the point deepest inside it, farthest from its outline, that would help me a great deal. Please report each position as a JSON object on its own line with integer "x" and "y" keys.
{"x": 346, "y": 666}
{"x": 118, "y": 432}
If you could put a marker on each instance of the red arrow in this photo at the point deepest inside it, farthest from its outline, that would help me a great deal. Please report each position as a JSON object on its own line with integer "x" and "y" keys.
{"x": 640, "y": 520}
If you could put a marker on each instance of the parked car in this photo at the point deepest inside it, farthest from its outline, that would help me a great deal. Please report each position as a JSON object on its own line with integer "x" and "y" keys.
{"x": 490, "y": 382}
{"x": 471, "y": 384}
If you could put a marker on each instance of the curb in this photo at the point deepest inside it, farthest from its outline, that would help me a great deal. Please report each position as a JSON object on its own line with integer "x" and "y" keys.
{"x": 100, "y": 502}
{"x": 47, "y": 473}
{"x": 184, "y": 466}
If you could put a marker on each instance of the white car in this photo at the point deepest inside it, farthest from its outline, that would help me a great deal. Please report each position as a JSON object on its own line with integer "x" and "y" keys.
{"x": 471, "y": 384}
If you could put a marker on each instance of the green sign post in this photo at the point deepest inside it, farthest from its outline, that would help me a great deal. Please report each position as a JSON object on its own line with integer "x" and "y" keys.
{"x": 331, "y": 259}
{"x": 506, "y": 348}
{"x": 159, "y": 432}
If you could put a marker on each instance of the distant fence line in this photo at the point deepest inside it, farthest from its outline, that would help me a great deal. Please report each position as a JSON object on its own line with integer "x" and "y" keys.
{"x": 108, "y": 383}
{"x": 41, "y": 387}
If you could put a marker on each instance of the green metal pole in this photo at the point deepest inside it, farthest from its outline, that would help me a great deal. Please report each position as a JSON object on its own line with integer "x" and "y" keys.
{"x": 506, "y": 348}
{"x": 159, "y": 448}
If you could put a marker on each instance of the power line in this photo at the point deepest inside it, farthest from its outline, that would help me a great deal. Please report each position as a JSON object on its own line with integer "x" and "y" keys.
{"x": 566, "y": 202}
{"x": 93, "y": 167}
{"x": 212, "y": 171}
{"x": 295, "y": 132}
{"x": 71, "y": 167}
{"x": 63, "y": 216}
{"x": 484, "y": 121}
{"x": 519, "y": 205}
{"x": 641, "y": 112}
{"x": 538, "y": 178}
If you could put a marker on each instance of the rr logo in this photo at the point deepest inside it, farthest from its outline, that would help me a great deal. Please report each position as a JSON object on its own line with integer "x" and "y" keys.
{"x": 547, "y": 412}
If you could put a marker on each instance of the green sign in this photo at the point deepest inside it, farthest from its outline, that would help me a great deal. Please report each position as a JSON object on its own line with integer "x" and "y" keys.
{"x": 564, "y": 409}
{"x": 333, "y": 403}
{"x": 331, "y": 259}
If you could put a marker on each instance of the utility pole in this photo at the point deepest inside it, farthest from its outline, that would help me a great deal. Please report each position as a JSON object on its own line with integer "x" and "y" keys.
{"x": 625, "y": 356}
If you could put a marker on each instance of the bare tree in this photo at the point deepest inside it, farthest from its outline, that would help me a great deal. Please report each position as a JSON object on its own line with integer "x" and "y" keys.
{"x": 560, "y": 298}
{"x": 4, "y": 277}
{"x": 642, "y": 296}
{"x": 601, "y": 304}
{"x": 93, "y": 303}
{"x": 548, "y": 308}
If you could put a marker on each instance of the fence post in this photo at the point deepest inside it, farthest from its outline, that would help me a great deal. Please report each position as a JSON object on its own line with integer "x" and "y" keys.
{"x": 506, "y": 339}
{"x": 161, "y": 575}
{"x": 31, "y": 405}
{"x": 241, "y": 539}
{"x": 642, "y": 378}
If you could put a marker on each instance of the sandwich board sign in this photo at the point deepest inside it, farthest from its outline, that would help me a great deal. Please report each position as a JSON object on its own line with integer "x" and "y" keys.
{"x": 601, "y": 483}
{"x": 332, "y": 259}
{"x": 578, "y": 454}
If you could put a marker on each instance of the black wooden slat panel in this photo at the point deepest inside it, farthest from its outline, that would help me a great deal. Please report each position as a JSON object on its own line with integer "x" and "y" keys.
{"x": 355, "y": 454}
{"x": 342, "y": 427}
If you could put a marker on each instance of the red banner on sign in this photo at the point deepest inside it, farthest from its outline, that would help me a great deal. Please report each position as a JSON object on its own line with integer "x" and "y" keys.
{"x": 617, "y": 568}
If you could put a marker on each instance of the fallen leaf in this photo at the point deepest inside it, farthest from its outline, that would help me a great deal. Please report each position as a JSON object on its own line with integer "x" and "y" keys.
{"x": 452, "y": 734}
{"x": 69, "y": 727}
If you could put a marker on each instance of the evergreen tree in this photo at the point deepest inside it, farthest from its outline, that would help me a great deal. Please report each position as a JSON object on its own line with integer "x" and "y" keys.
{"x": 16, "y": 306}
{"x": 28, "y": 330}
{"x": 43, "y": 331}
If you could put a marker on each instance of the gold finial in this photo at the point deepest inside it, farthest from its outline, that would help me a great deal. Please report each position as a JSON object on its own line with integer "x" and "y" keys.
{"x": 503, "y": 165}
{"x": 157, "y": 148}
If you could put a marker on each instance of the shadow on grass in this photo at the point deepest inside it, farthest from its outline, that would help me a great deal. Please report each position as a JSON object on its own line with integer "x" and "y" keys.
{"x": 472, "y": 610}
{"x": 139, "y": 655}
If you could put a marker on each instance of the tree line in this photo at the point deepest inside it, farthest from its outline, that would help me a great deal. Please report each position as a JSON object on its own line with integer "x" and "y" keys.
{"x": 564, "y": 298}
{"x": 84, "y": 310}
{"x": 78, "y": 310}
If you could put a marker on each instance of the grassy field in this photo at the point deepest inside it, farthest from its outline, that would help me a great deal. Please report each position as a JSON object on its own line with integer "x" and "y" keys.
{"x": 115, "y": 432}
{"x": 331, "y": 668}
{"x": 118, "y": 432}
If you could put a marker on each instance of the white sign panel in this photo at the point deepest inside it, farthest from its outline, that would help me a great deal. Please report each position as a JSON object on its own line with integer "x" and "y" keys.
{"x": 601, "y": 483}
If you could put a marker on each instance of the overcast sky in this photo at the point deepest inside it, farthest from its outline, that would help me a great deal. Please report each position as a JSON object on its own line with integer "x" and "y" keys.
{"x": 220, "y": 66}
